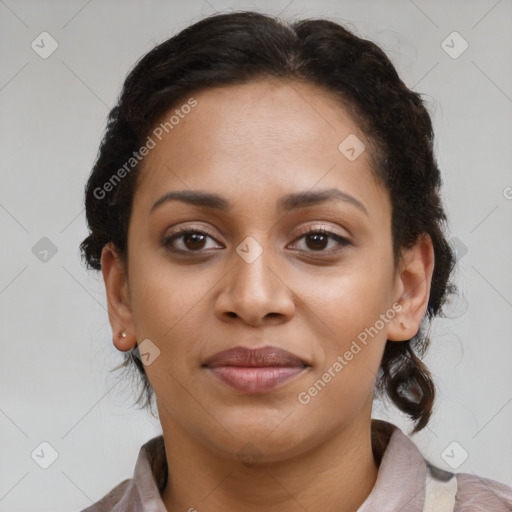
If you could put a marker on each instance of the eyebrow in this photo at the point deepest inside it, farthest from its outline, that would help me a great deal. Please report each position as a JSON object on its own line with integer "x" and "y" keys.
{"x": 287, "y": 203}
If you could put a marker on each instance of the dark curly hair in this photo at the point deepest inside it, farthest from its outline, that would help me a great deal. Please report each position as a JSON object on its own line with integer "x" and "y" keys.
{"x": 245, "y": 46}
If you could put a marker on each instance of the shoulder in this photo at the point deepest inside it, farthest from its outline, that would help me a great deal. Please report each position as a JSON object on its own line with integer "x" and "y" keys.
{"x": 108, "y": 502}
{"x": 480, "y": 494}
{"x": 405, "y": 471}
{"x": 465, "y": 491}
{"x": 142, "y": 492}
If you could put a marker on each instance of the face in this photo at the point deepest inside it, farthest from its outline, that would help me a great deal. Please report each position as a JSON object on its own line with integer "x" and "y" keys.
{"x": 249, "y": 275}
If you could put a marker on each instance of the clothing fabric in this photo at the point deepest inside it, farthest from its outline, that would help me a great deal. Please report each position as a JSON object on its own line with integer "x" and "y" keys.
{"x": 406, "y": 482}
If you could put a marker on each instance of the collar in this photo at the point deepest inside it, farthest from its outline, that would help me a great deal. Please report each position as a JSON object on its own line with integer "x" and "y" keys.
{"x": 400, "y": 483}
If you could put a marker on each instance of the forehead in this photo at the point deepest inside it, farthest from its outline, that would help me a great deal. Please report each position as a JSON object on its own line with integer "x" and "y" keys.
{"x": 272, "y": 135}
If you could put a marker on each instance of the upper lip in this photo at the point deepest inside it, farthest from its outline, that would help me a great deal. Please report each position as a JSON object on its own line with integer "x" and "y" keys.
{"x": 255, "y": 358}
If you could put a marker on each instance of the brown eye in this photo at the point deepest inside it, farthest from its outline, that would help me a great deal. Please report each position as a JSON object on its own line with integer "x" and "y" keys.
{"x": 317, "y": 240}
{"x": 192, "y": 240}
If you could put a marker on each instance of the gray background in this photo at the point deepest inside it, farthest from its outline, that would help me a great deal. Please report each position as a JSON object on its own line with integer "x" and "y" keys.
{"x": 55, "y": 379}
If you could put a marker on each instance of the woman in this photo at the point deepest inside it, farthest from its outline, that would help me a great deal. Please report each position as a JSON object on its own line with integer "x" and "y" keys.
{"x": 266, "y": 215}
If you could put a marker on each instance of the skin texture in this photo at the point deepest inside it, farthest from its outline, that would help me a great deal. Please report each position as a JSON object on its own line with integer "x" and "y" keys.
{"x": 252, "y": 144}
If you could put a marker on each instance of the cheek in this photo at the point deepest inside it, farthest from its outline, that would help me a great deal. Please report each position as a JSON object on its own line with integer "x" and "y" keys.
{"x": 150, "y": 294}
{"x": 159, "y": 291}
{"x": 346, "y": 301}
{"x": 352, "y": 340}
{"x": 170, "y": 307}
{"x": 347, "y": 313}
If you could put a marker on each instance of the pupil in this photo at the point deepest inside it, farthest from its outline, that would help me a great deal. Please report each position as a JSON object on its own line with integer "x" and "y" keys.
{"x": 196, "y": 238}
{"x": 318, "y": 238}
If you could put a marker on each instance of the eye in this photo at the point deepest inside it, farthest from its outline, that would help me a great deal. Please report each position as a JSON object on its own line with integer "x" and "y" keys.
{"x": 318, "y": 240}
{"x": 192, "y": 240}
{"x": 195, "y": 240}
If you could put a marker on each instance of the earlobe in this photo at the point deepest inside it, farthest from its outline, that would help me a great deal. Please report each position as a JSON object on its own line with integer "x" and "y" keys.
{"x": 123, "y": 342}
{"x": 413, "y": 289}
{"x": 118, "y": 300}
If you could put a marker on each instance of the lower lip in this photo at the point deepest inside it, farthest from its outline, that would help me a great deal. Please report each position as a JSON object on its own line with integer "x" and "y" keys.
{"x": 256, "y": 380}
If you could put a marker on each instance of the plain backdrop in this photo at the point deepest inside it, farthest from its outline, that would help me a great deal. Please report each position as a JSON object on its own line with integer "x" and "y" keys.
{"x": 56, "y": 352}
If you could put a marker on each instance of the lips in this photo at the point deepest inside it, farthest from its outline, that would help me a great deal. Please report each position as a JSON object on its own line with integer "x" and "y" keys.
{"x": 254, "y": 358}
{"x": 255, "y": 370}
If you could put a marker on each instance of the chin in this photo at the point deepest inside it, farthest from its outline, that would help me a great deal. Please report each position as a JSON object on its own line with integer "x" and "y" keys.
{"x": 263, "y": 436}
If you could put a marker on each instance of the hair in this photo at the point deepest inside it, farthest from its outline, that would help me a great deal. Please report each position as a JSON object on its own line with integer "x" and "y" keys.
{"x": 246, "y": 46}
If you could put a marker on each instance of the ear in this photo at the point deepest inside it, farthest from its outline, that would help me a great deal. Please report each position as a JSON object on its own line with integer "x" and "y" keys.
{"x": 118, "y": 298}
{"x": 412, "y": 289}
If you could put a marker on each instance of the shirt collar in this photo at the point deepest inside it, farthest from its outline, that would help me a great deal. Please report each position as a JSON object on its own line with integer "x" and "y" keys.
{"x": 400, "y": 481}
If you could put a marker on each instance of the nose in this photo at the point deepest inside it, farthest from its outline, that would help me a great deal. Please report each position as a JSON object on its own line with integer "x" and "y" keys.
{"x": 255, "y": 292}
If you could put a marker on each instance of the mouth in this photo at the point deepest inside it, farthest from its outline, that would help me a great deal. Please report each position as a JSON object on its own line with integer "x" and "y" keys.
{"x": 255, "y": 370}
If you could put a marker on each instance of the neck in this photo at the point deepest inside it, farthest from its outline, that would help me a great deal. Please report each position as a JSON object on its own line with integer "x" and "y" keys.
{"x": 336, "y": 476}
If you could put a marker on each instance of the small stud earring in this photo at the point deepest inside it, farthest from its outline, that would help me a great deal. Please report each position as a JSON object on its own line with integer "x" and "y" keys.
{"x": 123, "y": 334}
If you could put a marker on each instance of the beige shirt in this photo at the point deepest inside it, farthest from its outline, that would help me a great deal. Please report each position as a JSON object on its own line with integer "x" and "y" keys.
{"x": 406, "y": 482}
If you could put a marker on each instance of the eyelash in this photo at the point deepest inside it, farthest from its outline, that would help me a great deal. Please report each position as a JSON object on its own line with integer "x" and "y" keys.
{"x": 179, "y": 234}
